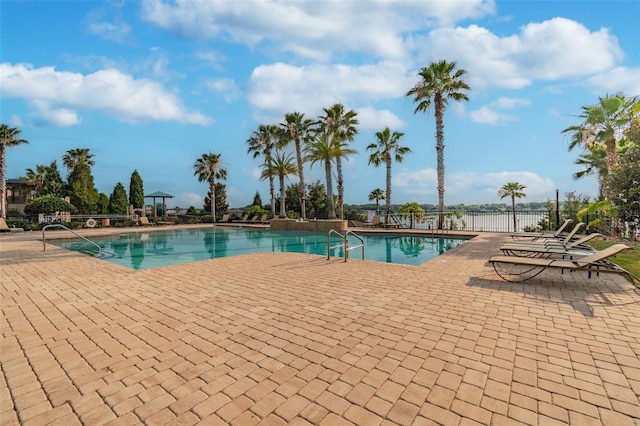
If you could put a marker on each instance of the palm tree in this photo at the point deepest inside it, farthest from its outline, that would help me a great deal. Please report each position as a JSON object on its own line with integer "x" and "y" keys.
{"x": 377, "y": 195}
{"x": 323, "y": 149}
{"x": 513, "y": 190}
{"x": 76, "y": 156}
{"x": 386, "y": 149}
{"x": 36, "y": 177}
{"x": 439, "y": 83}
{"x": 298, "y": 130}
{"x": 9, "y": 136}
{"x": 594, "y": 161}
{"x": 281, "y": 166}
{"x": 343, "y": 126}
{"x": 262, "y": 142}
{"x": 603, "y": 125}
{"x": 209, "y": 168}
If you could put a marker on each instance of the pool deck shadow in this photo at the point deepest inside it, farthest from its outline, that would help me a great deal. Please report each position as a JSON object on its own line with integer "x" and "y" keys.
{"x": 278, "y": 338}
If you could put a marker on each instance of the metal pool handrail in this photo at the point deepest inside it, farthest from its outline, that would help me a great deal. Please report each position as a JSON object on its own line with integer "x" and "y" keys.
{"x": 44, "y": 243}
{"x": 345, "y": 243}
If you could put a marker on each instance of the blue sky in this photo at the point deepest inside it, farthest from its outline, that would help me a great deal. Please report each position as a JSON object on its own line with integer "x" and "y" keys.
{"x": 152, "y": 85}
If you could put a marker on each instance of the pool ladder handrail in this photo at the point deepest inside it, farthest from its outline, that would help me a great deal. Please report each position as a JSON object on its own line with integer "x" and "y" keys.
{"x": 44, "y": 242}
{"x": 345, "y": 243}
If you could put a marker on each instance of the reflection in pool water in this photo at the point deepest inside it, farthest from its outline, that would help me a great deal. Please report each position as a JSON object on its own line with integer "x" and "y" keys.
{"x": 165, "y": 248}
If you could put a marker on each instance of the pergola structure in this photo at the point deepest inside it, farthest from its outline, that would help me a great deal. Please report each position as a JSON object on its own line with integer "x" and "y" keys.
{"x": 164, "y": 196}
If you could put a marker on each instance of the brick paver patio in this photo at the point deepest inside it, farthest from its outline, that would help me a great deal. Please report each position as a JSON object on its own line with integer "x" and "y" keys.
{"x": 296, "y": 339}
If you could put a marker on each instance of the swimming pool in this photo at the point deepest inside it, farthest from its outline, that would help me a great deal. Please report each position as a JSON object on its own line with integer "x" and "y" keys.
{"x": 164, "y": 248}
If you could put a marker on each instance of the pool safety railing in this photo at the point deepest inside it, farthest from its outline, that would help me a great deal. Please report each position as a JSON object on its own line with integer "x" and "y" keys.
{"x": 57, "y": 225}
{"x": 344, "y": 244}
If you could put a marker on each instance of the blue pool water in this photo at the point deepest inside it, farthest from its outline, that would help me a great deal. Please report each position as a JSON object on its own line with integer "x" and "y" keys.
{"x": 164, "y": 248}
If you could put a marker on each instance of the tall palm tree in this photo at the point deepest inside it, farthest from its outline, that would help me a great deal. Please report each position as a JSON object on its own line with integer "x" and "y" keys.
{"x": 593, "y": 162}
{"x": 603, "y": 124}
{"x": 513, "y": 190}
{"x": 281, "y": 166}
{"x": 209, "y": 168}
{"x": 387, "y": 148}
{"x": 76, "y": 156}
{"x": 263, "y": 142}
{"x": 342, "y": 125}
{"x": 36, "y": 177}
{"x": 298, "y": 129}
{"x": 9, "y": 136}
{"x": 323, "y": 149}
{"x": 377, "y": 195}
{"x": 439, "y": 83}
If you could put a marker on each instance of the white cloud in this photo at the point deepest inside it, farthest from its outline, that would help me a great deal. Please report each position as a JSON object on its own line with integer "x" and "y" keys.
{"x": 56, "y": 96}
{"x": 553, "y": 49}
{"x": 114, "y": 30}
{"x": 372, "y": 119}
{"x": 469, "y": 187}
{"x": 280, "y": 88}
{"x": 187, "y": 199}
{"x": 619, "y": 79}
{"x": 312, "y": 29}
{"x": 491, "y": 114}
{"x": 226, "y": 86}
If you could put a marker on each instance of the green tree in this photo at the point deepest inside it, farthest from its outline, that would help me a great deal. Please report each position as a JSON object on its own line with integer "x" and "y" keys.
{"x": 281, "y": 166}
{"x": 323, "y": 149}
{"x": 136, "y": 190}
{"x": 377, "y": 195}
{"x": 317, "y": 202}
{"x": 342, "y": 127}
{"x": 118, "y": 203}
{"x": 35, "y": 178}
{"x": 82, "y": 191}
{"x": 298, "y": 130}
{"x": 413, "y": 208}
{"x": 48, "y": 204}
{"x": 53, "y": 183}
{"x": 221, "y": 199}
{"x": 625, "y": 186}
{"x": 292, "y": 198}
{"x": 386, "y": 149}
{"x": 602, "y": 125}
{"x": 439, "y": 83}
{"x": 9, "y": 137}
{"x": 593, "y": 162}
{"x": 76, "y": 156}
{"x": 257, "y": 200}
{"x": 263, "y": 142}
{"x": 103, "y": 203}
{"x": 208, "y": 168}
{"x": 513, "y": 190}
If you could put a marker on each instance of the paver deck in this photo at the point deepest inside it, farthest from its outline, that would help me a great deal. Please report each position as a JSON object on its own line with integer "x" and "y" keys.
{"x": 296, "y": 339}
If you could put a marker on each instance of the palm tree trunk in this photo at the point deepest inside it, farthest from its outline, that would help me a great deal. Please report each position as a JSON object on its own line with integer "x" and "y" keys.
{"x": 439, "y": 110}
{"x": 612, "y": 162}
{"x": 283, "y": 211}
{"x": 331, "y": 210}
{"x": 340, "y": 187}
{"x": 303, "y": 190}
{"x": 3, "y": 182}
{"x": 212, "y": 193}
{"x": 388, "y": 191}
{"x": 272, "y": 191}
{"x": 513, "y": 208}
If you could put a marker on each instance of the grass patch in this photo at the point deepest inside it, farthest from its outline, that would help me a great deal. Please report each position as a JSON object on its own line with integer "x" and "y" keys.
{"x": 629, "y": 259}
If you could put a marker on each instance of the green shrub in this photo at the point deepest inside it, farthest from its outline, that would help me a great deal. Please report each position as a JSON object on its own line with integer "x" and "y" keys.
{"x": 49, "y": 204}
{"x": 206, "y": 219}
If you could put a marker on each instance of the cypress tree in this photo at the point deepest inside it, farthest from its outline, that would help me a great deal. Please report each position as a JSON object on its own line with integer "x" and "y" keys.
{"x": 136, "y": 190}
{"x": 118, "y": 201}
{"x": 82, "y": 191}
{"x": 53, "y": 183}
